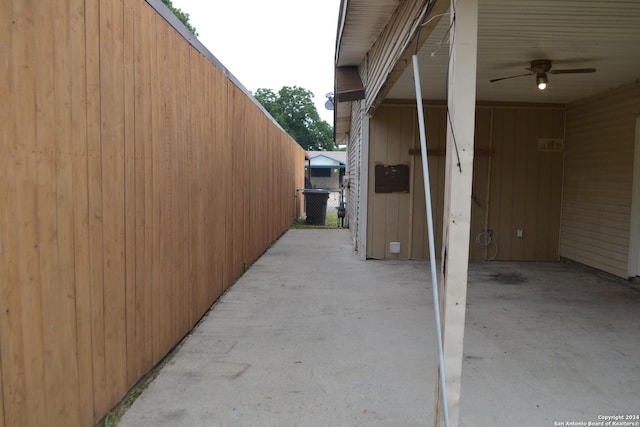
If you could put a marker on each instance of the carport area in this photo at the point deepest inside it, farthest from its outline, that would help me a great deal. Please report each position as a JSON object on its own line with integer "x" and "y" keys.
{"x": 310, "y": 336}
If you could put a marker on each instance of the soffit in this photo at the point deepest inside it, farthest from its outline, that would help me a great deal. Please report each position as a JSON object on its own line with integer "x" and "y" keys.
{"x": 573, "y": 34}
{"x": 361, "y": 22}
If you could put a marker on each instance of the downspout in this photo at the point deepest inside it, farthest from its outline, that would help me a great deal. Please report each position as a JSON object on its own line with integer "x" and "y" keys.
{"x": 432, "y": 250}
{"x": 364, "y": 185}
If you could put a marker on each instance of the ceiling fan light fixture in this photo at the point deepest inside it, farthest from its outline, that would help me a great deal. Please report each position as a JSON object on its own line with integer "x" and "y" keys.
{"x": 542, "y": 80}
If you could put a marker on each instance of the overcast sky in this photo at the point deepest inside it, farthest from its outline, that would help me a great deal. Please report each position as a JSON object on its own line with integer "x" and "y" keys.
{"x": 270, "y": 44}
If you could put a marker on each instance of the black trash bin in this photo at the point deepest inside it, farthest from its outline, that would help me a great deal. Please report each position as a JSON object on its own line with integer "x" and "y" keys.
{"x": 315, "y": 204}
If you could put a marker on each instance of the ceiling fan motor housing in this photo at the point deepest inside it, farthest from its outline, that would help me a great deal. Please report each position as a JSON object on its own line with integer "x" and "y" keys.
{"x": 540, "y": 66}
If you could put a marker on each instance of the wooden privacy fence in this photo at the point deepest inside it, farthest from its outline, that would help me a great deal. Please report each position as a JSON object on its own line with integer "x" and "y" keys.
{"x": 136, "y": 182}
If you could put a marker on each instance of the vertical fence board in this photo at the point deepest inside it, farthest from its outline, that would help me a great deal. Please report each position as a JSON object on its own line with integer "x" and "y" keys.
{"x": 194, "y": 158}
{"x": 57, "y": 233}
{"x": 209, "y": 265}
{"x": 229, "y": 184}
{"x": 136, "y": 321}
{"x": 224, "y": 147}
{"x": 34, "y": 134}
{"x": 130, "y": 195}
{"x": 184, "y": 169}
{"x": 156, "y": 185}
{"x": 95, "y": 205}
{"x": 11, "y": 350}
{"x": 168, "y": 217}
{"x": 247, "y": 208}
{"x": 77, "y": 46}
{"x": 213, "y": 185}
{"x": 143, "y": 232}
{"x": 176, "y": 250}
{"x": 6, "y": 186}
{"x": 206, "y": 265}
{"x": 2, "y": 424}
{"x": 190, "y": 171}
{"x": 148, "y": 58}
{"x": 233, "y": 236}
{"x": 220, "y": 150}
{"x": 160, "y": 190}
{"x": 150, "y": 214}
{"x": 113, "y": 180}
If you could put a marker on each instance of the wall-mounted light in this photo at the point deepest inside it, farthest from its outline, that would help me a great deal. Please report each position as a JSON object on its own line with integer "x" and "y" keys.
{"x": 542, "y": 80}
{"x": 329, "y": 104}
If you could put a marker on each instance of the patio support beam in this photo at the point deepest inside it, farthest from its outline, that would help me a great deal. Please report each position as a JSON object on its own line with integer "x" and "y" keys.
{"x": 457, "y": 199}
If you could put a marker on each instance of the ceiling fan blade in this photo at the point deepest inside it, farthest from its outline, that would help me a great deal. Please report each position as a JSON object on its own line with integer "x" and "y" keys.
{"x": 574, "y": 71}
{"x": 510, "y": 77}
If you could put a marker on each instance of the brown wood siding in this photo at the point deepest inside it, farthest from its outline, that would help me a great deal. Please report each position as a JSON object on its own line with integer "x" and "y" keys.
{"x": 596, "y": 210}
{"x": 400, "y": 217}
{"x": 480, "y": 191}
{"x": 526, "y": 184}
{"x": 390, "y": 141}
{"x": 436, "y": 131}
{"x": 515, "y": 186}
{"x": 137, "y": 181}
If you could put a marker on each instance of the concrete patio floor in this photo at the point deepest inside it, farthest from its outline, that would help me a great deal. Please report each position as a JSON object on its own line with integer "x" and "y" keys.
{"x": 310, "y": 336}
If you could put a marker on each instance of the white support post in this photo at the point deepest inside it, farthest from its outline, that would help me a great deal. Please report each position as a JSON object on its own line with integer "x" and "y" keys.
{"x": 364, "y": 184}
{"x": 457, "y": 200}
{"x": 633, "y": 269}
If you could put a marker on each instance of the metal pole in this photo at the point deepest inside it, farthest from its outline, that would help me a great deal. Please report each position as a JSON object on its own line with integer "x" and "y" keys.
{"x": 432, "y": 255}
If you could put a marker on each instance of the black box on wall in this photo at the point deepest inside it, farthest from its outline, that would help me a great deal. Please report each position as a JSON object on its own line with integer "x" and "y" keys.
{"x": 392, "y": 178}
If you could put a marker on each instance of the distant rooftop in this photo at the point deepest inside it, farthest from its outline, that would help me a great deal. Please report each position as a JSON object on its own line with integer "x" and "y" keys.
{"x": 338, "y": 156}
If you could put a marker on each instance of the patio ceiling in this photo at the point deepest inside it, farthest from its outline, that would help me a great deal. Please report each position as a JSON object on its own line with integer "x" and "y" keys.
{"x": 571, "y": 33}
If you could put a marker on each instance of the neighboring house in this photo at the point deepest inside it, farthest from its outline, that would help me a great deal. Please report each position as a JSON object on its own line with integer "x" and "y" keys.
{"x": 554, "y": 174}
{"x": 327, "y": 168}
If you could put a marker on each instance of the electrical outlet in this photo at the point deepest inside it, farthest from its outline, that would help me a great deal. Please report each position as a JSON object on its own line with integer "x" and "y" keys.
{"x": 519, "y": 232}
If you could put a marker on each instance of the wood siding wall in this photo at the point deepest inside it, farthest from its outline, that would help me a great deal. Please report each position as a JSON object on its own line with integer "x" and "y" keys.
{"x": 596, "y": 210}
{"x": 515, "y": 185}
{"x": 525, "y": 189}
{"x": 400, "y": 217}
{"x": 136, "y": 181}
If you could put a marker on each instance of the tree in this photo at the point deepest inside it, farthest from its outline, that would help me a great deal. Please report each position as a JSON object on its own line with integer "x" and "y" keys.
{"x": 293, "y": 109}
{"x": 182, "y": 16}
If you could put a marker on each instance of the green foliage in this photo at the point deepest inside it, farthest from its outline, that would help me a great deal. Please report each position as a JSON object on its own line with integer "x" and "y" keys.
{"x": 330, "y": 222}
{"x": 293, "y": 109}
{"x": 182, "y": 16}
{"x": 108, "y": 420}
